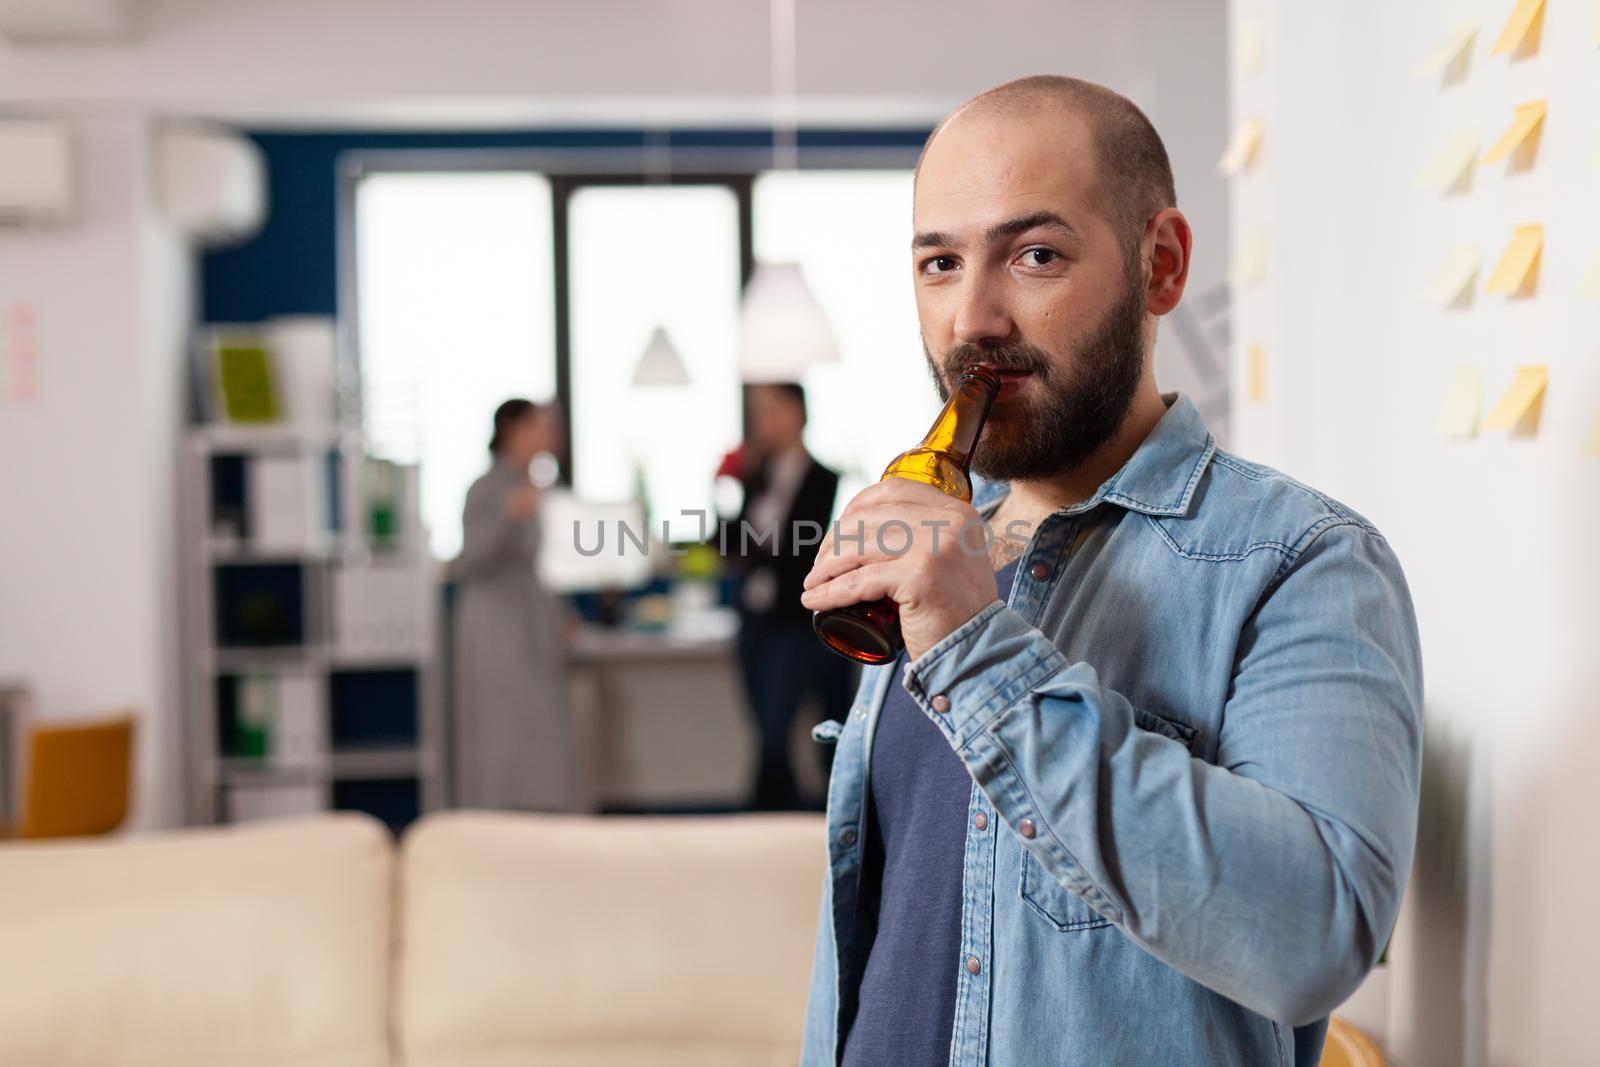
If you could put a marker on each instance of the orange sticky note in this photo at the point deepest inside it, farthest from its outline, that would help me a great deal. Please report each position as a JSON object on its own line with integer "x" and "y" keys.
{"x": 1256, "y": 373}
{"x": 1516, "y": 31}
{"x": 1241, "y": 150}
{"x": 1518, "y": 262}
{"x": 1462, "y": 403}
{"x": 1528, "y": 118}
{"x": 1526, "y": 390}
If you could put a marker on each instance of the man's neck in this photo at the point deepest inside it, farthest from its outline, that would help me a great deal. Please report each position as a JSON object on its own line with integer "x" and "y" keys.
{"x": 1032, "y": 500}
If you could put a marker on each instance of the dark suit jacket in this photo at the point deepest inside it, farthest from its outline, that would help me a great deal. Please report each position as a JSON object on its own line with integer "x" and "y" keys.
{"x": 786, "y": 559}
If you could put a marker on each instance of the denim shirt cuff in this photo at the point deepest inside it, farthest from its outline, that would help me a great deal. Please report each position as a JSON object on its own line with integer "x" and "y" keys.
{"x": 981, "y": 667}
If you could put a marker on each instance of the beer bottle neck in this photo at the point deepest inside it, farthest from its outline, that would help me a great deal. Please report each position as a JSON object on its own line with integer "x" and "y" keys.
{"x": 955, "y": 431}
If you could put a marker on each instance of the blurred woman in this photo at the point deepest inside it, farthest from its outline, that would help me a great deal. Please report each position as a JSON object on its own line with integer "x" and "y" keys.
{"x": 513, "y": 724}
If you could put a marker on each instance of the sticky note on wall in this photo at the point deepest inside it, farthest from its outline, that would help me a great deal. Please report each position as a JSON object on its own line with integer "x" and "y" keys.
{"x": 1590, "y": 286}
{"x": 1519, "y": 405}
{"x": 1250, "y": 266}
{"x": 1255, "y": 367}
{"x": 1591, "y": 444}
{"x": 1519, "y": 264}
{"x": 1520, "y": 34}
{"x": 1454, "y": 279}
{"x": 1455, "y": 50}
{"x": 1249, "y": 45}
{"x": 1523, "y": 133}
{"x": 1453, "y": 163}
{"x": 1462, "y": 403}
{"x": 1242, "y": 149}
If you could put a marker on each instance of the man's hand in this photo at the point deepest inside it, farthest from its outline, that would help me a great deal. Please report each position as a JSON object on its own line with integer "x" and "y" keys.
{"x": 909, "y": 542}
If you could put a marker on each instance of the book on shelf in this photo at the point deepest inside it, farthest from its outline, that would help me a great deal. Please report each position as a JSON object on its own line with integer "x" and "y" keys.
{"x": 381, "y": 608}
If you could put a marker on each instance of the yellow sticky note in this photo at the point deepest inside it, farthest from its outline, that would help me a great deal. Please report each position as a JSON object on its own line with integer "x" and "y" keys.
{"x": 1519, "y": 263}
{"x": 1519, "y": 28}
{"x": 1520, "y": 400}
{"x": 1528, "y": 118}
{"x": 1454, "y": 277}
{"x": 1591, "y": 444}
{"x": 1597, "y": 22}
{"x": 1462, "y": 403}
{"x": 1453, "y": 161}
{"x": 1241, "y": 151}
{"x": 1251, "y": 264}
{"x": 1256, "y": 373}
{"x": 1249, "y": 45}
{"x": 1459, "y": 41}
{"x": 1590, "y": 286}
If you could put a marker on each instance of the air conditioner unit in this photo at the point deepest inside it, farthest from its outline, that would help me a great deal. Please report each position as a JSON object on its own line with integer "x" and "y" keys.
{"x": 212, "y": 184}
{"x": 35, "y": 173}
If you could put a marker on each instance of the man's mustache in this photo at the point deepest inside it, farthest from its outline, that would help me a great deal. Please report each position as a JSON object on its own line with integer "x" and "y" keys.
{"x": 1017, "y": 357}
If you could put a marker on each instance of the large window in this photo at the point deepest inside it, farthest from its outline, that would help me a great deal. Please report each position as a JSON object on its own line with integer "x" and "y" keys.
{"x": 456, "y": 303}
{"x": 474, "y": 287}
{"x": 644, "y": 258}
{"x": 850, "y": 231}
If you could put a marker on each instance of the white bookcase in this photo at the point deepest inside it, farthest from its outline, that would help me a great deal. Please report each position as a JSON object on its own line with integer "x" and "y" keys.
{"x": 291, "y": 616}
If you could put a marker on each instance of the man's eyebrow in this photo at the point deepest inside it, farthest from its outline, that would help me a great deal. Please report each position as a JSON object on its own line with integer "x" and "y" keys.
{"x": 999, "y": 231}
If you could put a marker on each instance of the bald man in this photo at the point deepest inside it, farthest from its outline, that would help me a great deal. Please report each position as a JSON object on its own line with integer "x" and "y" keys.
{"x": 1142, "y": 788}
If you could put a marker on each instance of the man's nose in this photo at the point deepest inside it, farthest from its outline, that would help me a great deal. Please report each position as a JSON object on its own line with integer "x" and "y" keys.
{"x": 982, "y": 315}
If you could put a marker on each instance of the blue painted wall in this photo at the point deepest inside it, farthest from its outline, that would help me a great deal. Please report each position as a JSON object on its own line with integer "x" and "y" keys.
{"x": 290, "y": 267}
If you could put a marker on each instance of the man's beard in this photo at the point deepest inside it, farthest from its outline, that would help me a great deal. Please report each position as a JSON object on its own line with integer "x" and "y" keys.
{"x": 1082, "y": 403}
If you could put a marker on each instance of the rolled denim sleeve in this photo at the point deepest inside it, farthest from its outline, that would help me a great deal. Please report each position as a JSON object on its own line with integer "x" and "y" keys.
{"x": 1272, "y": 875}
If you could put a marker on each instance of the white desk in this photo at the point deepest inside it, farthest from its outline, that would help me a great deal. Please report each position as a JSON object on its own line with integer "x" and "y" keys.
{"x": 661, "y": 720}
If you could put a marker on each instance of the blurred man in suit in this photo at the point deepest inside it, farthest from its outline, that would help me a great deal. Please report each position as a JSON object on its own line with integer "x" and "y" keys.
{"x": 788, "y": 502}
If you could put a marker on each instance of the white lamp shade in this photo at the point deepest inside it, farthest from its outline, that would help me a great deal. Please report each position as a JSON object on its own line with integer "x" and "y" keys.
{"x": 782, "y": 330}
{"x": 660, "y": 363}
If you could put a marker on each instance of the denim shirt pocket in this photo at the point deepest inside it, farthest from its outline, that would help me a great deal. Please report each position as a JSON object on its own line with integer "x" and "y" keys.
{"x": 1054, "y": 902}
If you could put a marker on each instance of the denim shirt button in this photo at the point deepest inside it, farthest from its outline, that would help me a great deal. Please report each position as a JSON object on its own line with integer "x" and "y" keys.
{"x": 1039, "y": 571}
{"x": 848, "y": 838}
{"x": 1027, "y": 829}
{"x": 981, "y": 821}
{"x": 973, "y": 966}
{"x": 941, "y": 703}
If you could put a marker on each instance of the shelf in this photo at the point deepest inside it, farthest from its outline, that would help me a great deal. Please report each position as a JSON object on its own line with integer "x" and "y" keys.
{"x": 351, "y": 764}
{"x": 268, "y": 438}
{"x": 221, "y": 550}
{"x": 230, "y": 660}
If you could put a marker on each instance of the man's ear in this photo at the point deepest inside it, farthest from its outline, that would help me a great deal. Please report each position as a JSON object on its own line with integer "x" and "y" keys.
{"x": 1167, "y": 241}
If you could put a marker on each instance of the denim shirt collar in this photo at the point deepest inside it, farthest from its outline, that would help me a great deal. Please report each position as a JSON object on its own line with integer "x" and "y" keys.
{"x": 1158, "y": 479}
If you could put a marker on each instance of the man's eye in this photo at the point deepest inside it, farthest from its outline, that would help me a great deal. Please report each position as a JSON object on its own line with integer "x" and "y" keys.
{"x": 939, "y": 265}
{"x": 1040, "y": 257}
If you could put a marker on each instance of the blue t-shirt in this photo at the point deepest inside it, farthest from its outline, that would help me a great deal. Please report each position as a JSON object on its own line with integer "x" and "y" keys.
{"x": 911, "y": 881}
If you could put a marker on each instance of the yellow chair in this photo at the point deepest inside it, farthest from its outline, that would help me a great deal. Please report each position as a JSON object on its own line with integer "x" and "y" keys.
{"x": 78, "y": 777}
{"x": 1348, "y": 1047}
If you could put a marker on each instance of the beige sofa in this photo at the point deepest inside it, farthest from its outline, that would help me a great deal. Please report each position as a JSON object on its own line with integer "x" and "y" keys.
{"x": 485, "y": 940}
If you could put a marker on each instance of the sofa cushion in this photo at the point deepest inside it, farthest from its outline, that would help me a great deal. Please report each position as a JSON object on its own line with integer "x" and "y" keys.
{"x": 258, "y": 946}
{"x": 572, "y": 941}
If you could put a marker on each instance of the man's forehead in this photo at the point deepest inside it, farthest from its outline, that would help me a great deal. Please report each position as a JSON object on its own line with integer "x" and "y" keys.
{"x": 981, "y": 170}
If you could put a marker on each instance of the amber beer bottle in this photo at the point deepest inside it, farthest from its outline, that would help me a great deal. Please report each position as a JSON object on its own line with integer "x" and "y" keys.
{"x": 870, "y": 632}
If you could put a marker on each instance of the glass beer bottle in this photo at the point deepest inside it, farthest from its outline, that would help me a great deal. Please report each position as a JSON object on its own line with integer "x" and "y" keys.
{"x": 870, "y": 632}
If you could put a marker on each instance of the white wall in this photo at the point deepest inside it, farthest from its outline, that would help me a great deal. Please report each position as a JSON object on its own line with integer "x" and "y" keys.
{"x": 87, "y": 613}
{"x": 86, "y": 541}
{"x": 1493, "y": 962}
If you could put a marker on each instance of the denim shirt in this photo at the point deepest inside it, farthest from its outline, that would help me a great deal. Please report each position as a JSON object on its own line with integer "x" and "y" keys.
{"x": 1194, "y": 732}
